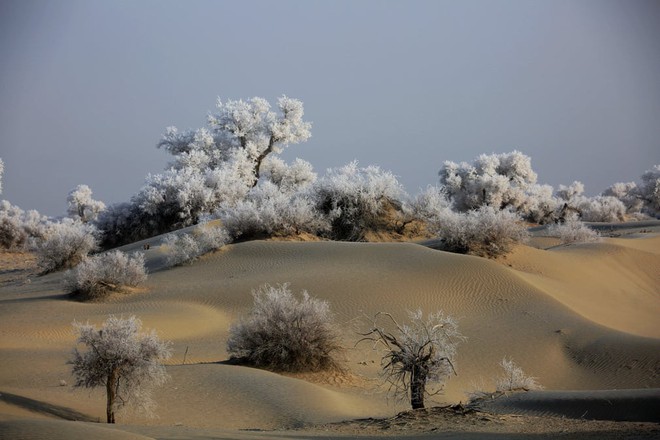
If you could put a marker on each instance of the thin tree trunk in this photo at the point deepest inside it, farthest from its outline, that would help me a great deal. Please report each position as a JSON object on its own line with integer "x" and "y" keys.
{"x": 262, "y": 156}
{"x": 111, "y": 387}
{"x": 417, "y": 388}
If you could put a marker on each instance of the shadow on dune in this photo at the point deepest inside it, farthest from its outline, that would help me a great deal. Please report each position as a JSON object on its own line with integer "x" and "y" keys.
{"x": 49, "y": 409}
{"x": 616, "y": 405}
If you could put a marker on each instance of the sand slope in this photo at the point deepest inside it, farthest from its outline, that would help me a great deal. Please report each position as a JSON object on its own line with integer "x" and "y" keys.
{"x": 580, "y": 317}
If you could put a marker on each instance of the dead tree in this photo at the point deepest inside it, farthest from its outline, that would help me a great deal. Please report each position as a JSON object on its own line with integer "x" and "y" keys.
{"x": 416, "y": 354}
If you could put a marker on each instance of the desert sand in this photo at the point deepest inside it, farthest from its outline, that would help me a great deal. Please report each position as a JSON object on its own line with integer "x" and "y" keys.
{"x": 581, "y": 318}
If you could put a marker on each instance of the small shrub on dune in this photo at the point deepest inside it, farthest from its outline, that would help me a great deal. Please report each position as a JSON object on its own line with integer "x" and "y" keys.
{"x": 284, "y": 333}
{"x": 65, "y": 244}
{"x": 186, "y": 248}
{"x": 99, "y": 275}
{"x": 513, "y": 378}
{"x": 573, "y": 231}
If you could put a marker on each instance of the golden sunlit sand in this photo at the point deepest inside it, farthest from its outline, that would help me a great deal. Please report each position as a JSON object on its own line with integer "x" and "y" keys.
{"x": 580, "y": 318}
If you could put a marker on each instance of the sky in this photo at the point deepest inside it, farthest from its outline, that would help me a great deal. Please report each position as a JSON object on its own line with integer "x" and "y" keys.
{"x": 88, "y": 87}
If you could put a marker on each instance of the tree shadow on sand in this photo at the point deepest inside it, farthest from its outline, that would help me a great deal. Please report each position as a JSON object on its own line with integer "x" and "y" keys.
{"x": 61, "y": 412}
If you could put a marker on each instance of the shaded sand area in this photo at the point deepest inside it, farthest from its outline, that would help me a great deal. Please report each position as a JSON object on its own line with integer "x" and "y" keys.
{"x": 580, "y": 318}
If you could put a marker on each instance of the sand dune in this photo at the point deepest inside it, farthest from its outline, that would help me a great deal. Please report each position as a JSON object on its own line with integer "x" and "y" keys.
{"x": 579, "y": 317}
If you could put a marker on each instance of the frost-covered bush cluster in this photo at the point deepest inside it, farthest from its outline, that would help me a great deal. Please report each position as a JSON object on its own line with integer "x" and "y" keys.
{"x": 65, "y": 244}
{"x": 98, "y": 275}
{"x": 593, "y": 209}
{"x": 484, "y": 232}
{"x": 416, "y": 354}
{"x": 18, "y": 227}
{"x": 507, "y": 181}
{"x": 120, "y": 358}
{"x": 284, "y": 333}
{"x": 185, "y": 248}
{"x": 501, "y": 181}
{"x": 356, "y": 200}
{"x": 267, "y": 210}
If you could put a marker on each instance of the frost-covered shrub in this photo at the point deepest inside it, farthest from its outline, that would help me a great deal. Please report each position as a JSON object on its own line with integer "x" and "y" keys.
{"x": 65, "y": 244}
{"x": 120, "y": 358}
{"x": 98, "y": 275}
{"x": 501, "y": 181}
{"x": 431, "y": 205}
{"x": 356, "y": 200}
{"x": 572, "y": 230}
{"x": 2, "y": 171}
{"x": 416, "y": 354}
{"x": 81, "y": 205}
{"x": 284, "y": 333}
{"x": 268, "y": 211}
{"x": 185, "y": 248}
{"x": 513, "y": 378}
{"x": 602, "y": 209}
{"x": 17, "y": 227}
{"x": 289, "y": 178}
{"x": 483, "y": 232}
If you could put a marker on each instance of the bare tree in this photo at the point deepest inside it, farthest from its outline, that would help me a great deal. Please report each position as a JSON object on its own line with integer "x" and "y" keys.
{"x": 416, "y": 354}
{"x": 128, "y": 363}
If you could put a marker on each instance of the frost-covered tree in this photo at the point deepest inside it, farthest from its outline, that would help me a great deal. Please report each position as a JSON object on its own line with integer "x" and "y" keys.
{"x": 249, "y": 125}
{"x": 98, "y": 275}
{"x": 650, "y": 191}
{"x": 628, "y": 193}
{"x": 65, "y": 244}
{"x": 125, "y": 361}
{"x": 357, "y": 200}
{"x": 417, "y": 354}
{"x": 501, "y": 181}
{"x": 82, "y": 206}
{"x": 284, "y": 333}
{"x": 213, "y": 167}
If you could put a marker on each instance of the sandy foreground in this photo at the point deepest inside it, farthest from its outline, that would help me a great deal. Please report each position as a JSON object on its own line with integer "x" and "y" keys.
{"x": 581, "y": 318}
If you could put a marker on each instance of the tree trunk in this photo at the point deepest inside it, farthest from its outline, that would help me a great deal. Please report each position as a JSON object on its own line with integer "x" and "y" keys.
{"x": 417, "y": 387}
{"x": 262, "y": 156}
{"x": 111, "y": 388}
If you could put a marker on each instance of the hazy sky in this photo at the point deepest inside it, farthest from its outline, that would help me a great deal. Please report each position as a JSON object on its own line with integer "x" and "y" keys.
{"x": 88, "y": 87}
